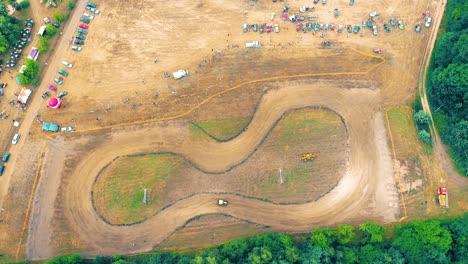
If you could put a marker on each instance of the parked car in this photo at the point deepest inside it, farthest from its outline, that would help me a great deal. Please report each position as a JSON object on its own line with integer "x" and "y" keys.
{"x": 6, "y": 157}
{"x": 277, "y": 29}
{"x": 374, "y": 30}
{"x": 78, "y": 42}
{"x": 356, "y": 29}
{"x": 62, "y": 72}
{"x": 67, "y": 64}
{"x": 393, "y": 22}
{"x": 67, "y": 129}
{"x": 401, "y": 25}
{"x": 91, "y": 4}
{"x": 94, "y": 10}
{"x": 46, "y": 20}
{"x": 88, "y": 15}
{"x": 268, "y": 28}
{"x": 56, "y": 25}
{"x": 84, "y": 20}
{"x": 3, "y": 85}
{"x": 417, "y": 28}
{"x": 76, "y": 48}
{"x": 16, "y": 138}
{"x": 82, "y": 31}
{"x": 349, "y": 28}
{"x": 262, "y": 28}
{"x": 2, "y": 168}
{"x": 246, "y": 28}
{"x": 45, "y": 95}
{"x": 58, "y": 80}
{"x": 53, "y": 88}
{"x": 428, "y": 22}
{"x": 298, "y": 26}
{"x": 255, "y": 27}
{"x": 387, "y": 27}
{"x": 80, "y": 36}
{"x": 83, "y": 26}
{"x": 374, "y": 14}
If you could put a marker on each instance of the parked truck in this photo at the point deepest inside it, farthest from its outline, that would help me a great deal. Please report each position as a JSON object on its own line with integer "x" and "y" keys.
{"x": 180, "y": 74}
{"x": 222, "y": 202}
{"x": 443, "y": 197}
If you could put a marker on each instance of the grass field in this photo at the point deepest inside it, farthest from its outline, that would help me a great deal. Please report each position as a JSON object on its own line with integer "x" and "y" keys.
{"x": 222, "y": 129}
{"x": 119, "y": 189}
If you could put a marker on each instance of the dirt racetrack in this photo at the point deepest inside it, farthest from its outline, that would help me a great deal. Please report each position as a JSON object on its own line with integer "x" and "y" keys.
{"x": 118, "y": 65}
{"x": 352, "y": 194}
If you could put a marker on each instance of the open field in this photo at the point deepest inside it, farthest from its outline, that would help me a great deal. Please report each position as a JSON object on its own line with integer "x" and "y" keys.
{"x": 122, "y": 105}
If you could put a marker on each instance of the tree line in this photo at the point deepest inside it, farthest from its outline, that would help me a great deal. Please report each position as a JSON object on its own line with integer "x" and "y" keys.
{"x": 429, "y": 241}
{"x": 448, "y": 81}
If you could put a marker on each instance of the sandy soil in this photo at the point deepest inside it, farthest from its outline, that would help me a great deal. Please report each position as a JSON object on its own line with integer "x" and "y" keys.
{"x": 117, "y": 64}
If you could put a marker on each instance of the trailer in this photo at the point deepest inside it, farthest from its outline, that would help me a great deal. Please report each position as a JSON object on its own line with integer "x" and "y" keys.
{"x": 180, "y": 74}
{"x": 41, "y": 30}
{"x": 222, "y": 202}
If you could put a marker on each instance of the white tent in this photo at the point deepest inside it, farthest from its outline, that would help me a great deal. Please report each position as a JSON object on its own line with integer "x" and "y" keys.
{"x": 23, "y": 96}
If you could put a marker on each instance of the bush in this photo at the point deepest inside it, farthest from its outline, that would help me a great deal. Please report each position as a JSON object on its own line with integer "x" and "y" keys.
{"x": 43, "y": 46}
{"x": 29, "y": 76}
{"x": 58, "y": 17}
{"x": 70, "y": 4}
{"x": 24, "y": 4}
{"x": 50, "y": 31}
{"x": 424, "y": 136}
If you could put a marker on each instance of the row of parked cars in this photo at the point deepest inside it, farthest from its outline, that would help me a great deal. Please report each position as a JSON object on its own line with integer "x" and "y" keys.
{"x": 6, "y": 155}
{"x": 20, "y": 44}
{"x": 83, "y": 27}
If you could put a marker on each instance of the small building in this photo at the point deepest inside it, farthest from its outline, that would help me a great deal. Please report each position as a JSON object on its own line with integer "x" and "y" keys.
{"x": 50, "y": 127}
{"x": 41, "y": 30}
{"x": 34, "y": 53}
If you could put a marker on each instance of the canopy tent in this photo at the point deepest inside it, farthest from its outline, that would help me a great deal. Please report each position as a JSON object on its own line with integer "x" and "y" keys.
{"x": 23, "y": 96}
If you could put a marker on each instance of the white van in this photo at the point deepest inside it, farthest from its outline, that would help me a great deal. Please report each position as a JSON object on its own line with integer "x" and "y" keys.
{"x": 16, "y": 138}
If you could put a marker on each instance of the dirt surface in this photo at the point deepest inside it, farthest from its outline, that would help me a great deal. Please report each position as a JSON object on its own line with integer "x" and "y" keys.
{"x": 116, "y": 79}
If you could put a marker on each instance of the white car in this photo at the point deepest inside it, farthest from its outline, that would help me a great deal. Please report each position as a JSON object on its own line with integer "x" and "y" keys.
{"x": 67, "y": 64}
{"x": 16, "y": 138}
{"x": 88, "y": 15}
{"x": 93, "y": 10}
{"x": 428, "y": 22}
{"x": 67, "y": 129}
{"x": 76, "y": 48}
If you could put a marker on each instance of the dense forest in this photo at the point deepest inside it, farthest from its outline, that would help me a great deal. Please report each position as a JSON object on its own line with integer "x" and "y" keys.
{"x": 430, "y": 241}
{"x": 448, "y": 82}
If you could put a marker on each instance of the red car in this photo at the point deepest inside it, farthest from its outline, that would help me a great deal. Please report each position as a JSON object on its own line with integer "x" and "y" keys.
{"x": 285, "y": 16}
{"x": 83, "y": 26}
{"x": 332, "y": 26}
{"x": 53, "y": 88}
{"x": 268, "y": 28}
{"x": 298, "y": 26}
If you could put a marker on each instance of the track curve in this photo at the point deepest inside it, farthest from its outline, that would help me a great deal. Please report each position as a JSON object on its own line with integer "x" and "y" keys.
{"x": 357, "y": 106}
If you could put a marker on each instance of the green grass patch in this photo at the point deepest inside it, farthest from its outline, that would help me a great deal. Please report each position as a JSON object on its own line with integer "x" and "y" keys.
{"x": 222, "y": 129}
{"x": 405, "y": 136}
{"x": 119, "y": 190}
